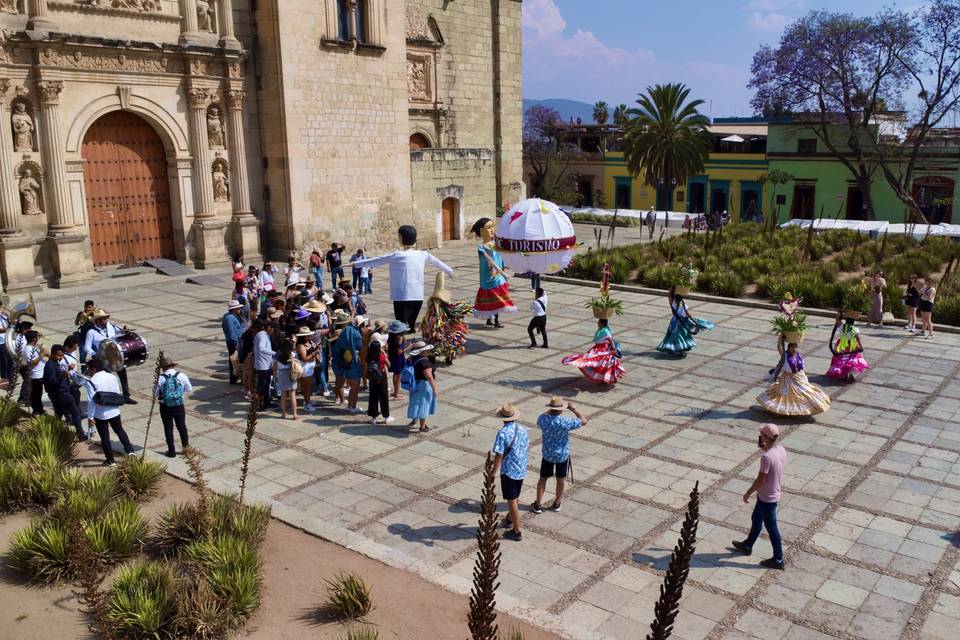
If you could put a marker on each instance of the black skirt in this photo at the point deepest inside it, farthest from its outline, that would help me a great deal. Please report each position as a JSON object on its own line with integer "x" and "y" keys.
{"x": 925, "y": 306}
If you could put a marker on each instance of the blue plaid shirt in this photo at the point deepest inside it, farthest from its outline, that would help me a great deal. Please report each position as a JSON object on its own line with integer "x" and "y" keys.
{"x": 556, "y": 436}
{"x": 514, "y": 464}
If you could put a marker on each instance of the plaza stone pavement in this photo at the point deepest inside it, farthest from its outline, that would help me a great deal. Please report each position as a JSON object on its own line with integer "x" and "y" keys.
{"x": 871, "y": 500}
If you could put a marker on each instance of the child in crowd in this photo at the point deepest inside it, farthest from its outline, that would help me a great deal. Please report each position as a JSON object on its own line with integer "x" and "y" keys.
{"x": 396, "y": 348}
{"x": 539, "y": 320}
{"x": 316, "y": 267}
{"x": 266, "y": 277}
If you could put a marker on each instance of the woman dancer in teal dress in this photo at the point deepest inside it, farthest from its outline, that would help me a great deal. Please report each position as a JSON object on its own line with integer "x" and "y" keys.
{"x": 683, "y": 327}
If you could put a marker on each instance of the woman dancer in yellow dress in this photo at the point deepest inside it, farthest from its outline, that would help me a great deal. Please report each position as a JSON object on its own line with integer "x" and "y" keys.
{"x": 792, "y": 394}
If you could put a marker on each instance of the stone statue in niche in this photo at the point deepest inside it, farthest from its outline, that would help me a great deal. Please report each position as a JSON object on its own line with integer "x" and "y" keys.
{"x": 205, "y": 17}
{"x": 214, "y": 127}
{"x": 22, "y": 128}
{"x": 221, "y": 183}
{"x": 8, "y": 6}
{"x": 29, "y": 194}
{"x": 417, "y": 85}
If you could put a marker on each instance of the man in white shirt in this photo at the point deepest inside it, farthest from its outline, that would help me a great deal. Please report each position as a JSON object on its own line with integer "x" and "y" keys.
{"x": 539, "y": 320}
{"x": 105, "y": 416}
{"x": 71, "y": 365}
{"x": 171, "y": 387}
{"x": 101, "y": 330}
{"x": 6, "y": 362}
{"x": 263, "y": 355}
{"x": 34, "y": 359}
{"x": 406, "y": 275}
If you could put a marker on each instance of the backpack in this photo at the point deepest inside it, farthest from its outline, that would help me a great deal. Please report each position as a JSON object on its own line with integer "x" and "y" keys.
{"x": 296, "y": 369}
{"x": 360, "y": 307}
{"x": 408, "y": 380}
{"x": 171, "y": 391}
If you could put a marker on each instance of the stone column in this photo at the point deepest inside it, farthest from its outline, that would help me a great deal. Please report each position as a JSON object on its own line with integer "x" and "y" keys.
{"x": 9, "y": 196}
{"x": 227, "y": 36}
{"x": 51, "y": 146}
{"x": 39, "y": 16}
{"x": 198, "y": 100}
{"x": 189, "y": 27}
{"x": 246, "y": 227}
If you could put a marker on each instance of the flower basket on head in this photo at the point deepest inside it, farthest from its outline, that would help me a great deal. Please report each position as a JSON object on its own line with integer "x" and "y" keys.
{"x": 686, "y": 281}
{"x": 605, "y": 307}
{"x": 792, "y": 327}
{"x": 852, "y": 314}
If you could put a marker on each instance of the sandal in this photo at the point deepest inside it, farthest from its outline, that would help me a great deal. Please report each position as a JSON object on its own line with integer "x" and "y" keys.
{"x": 424, "y": 429}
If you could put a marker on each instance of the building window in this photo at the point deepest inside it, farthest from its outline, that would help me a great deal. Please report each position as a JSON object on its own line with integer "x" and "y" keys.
{"x": 419, "y": 141}
{"x": 343, "y": 20}
{"x": 807, "y": 146}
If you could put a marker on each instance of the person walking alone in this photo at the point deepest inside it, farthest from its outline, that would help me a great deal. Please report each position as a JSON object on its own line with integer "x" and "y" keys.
{"x": 171, "y": 387}
{"x": 539, "y": 320}
{"x": 767, "y": 488}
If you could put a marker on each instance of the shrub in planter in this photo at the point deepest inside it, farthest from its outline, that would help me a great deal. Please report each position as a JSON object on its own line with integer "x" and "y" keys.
{"x": 232, "y": 569}
{"x": 178, "y": 526}
{"x": 720, "y": 283}
{"x": 47, "y": 436}
{"x": 139, "y": 478}
{"x": 604, "y": 307}
{"x": 76, "y": 506}
{"x": 102, "y": 487}
{"x": 117, "y": 533}
{"x": 14, "y": 484}
{"x": 947, "y": 310}
{"x": 362, "y": 633}
{"x": 200, "y": 612}
{"x": 41, "y": 551}
{"x": 662, "y": 277}
{"x": 893, "y": 300}
{"x": 10, "y": 413}
{"x": 45, "y": 478}
{"x": 13, "y": 445}
{"x": 141, "y": 600}
{"x": 348, "y": 596}
{"x": 828, "y": 272}
{"x": 246, "y": 522}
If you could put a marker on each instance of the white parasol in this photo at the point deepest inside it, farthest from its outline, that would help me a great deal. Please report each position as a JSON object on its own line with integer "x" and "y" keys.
{"x": 536, "y": 236}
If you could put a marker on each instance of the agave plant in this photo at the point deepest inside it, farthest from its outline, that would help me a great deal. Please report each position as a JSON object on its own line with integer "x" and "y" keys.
{"x": 48, "y": 437}
{"x": 232, "y": 568}
{"x": 348, "y": 596}
{"x": 102, "y": 487}
{"x": 139, "y": 478}
{"x": 141, "y": 600}
{"x": 41, "y": 551}
{"x": 14, "y": 484}
{"x": 13, "y": 445}
{"x": 200, "y": 612}
{"x": 76, "y": 505}
{"x": 178, "y": 526}
{"x": 10, "y": 413}
{"x": 247, "y": 522}
{"x": 45, "y": 479}
{"x": 118, "y": 533}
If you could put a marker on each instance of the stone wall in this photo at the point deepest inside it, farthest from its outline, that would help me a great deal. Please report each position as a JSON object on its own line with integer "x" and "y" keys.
{"x": 468, "y": 175}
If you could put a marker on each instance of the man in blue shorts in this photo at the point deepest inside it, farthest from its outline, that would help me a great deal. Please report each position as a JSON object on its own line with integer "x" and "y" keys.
{"x": 511, "y": 447}
{"x": 556, "y": 448}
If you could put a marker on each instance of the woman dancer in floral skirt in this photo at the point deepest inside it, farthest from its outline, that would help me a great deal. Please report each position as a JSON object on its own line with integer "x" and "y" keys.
{"x": 847, "y": 351}
{"x": 793, "y": 394}
{"x": 602, "y": 363}
{"x": 682, "y": 328}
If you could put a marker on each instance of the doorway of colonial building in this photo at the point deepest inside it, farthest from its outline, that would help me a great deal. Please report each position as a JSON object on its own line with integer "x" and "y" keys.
{"x": 128, "y": 196}
{"x": 451, "y": 218}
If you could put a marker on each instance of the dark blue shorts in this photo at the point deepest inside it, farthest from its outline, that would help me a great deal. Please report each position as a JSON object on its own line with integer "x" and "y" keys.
{"x": 510, "y": 487}
{"x": 547, "y": 469}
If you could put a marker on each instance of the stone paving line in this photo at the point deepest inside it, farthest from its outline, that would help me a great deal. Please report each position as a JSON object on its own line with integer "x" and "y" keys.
{"x": 881, "y": 468}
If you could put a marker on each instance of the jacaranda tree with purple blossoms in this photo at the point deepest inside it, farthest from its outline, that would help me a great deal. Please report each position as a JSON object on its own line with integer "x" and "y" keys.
{"x": 839, "y": 74}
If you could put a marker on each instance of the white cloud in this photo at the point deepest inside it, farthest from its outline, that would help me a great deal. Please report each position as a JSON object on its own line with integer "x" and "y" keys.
{"x": 542, "y": 16}
{"x": 767, "y": 21}
{"x": 770, "y": 15}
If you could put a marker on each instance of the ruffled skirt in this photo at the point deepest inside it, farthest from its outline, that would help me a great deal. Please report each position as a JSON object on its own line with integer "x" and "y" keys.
{"x": 600, "y": 364}
{"x": 490, "y": 302}
{"x": 844, "y": 365}
{"x": 678, "y": 338}
{"x": 794, "y": 395}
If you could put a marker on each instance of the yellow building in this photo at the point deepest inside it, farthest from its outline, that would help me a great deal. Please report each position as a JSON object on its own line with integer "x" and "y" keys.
{"x": 731, "y": 180}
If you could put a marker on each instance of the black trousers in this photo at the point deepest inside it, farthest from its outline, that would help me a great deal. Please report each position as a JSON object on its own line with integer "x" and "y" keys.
{"x": 406, "y": 311}
{"x": 124, "y": 385}
{"x": 36, "y": 396}
{"x": 65, "y": 405}
{"x": 263, "y": 387}
{"x": 231, "y": 349}
{"x": 379, "y": 399}
{"x": 103, "y": 428}
{"x": 25, "y": 385}
{"x": 171, "y": 416}
{"x": 540, "y": 324}
{"x": 6, "y": 363}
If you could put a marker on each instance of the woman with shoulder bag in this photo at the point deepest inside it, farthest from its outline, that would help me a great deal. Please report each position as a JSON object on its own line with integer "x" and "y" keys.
{"x": 911, "y": 300}
{"x": 928, "y": 294}
{"x": 284, "y": 371}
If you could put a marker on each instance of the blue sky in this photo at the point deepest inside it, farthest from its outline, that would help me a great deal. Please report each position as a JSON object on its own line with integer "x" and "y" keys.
{"x": 610, "y": 50}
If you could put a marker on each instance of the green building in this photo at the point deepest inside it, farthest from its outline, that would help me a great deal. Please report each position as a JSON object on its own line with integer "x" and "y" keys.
{"x": 821, "y": 184}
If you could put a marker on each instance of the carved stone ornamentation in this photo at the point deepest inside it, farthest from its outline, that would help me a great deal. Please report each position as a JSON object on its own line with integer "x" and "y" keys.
{"x": 22, "y": 128}
{"x": 50, "y": 91}
{"x": 418, "y": 79}
{"x": 198, "y": 98}
{"x": 236, "y": 98}
{"x": 221, "y": 182}
{"x": 205, "y": 17}
{"x": 416, "y": 24}
{"x": 29, "y": 188}
{"x": 124, "y": 92}
{"x": 214, "y": 127}
{"x": 149, "y": 6}
{"x": 8, "y": 6}
{"x": 93, "y": 62}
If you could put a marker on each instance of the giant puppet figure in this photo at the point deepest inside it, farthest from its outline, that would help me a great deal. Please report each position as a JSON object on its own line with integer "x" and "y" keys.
{"x": 493, "y": 296}
{"x": 406, "y": 274}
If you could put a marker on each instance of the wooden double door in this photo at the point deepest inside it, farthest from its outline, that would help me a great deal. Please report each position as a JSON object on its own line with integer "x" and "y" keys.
{"x": 127, "y": 192}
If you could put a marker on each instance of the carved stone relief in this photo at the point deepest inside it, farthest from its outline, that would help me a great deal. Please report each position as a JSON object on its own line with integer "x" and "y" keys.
{"x": 416, "y": 24}
{"x": 151, "y": 6}
{"x": 8, "y": 6}
{"x": 122, "y": 62}
{"x": 198, "y": 98}
{"x": 214, "y": 127}
{"x": 418, "y": 79}
{"x": 23, "y": 127}
{"x": 50, "y": 91}
{"x": 205, "y": 17}
{"x": 221, "y": 181}
{"x": 29, "y": 188}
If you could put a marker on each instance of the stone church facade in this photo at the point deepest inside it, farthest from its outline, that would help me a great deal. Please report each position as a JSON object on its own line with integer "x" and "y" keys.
{"x": 196, "y": 129}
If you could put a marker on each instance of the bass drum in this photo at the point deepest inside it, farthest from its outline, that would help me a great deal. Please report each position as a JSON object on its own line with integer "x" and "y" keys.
{"x": 126, "y": 350}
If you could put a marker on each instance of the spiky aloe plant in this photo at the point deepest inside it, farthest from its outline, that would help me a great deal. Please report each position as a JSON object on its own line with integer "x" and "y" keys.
{"x": 482, "y": 619}
{"x": 667, "y": 607}
{"x": 153, "y": 403}
{"x": 248, "y": 443}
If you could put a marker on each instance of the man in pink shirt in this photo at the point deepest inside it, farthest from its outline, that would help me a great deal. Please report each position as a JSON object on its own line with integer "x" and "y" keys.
{"x": 767, "y": 487}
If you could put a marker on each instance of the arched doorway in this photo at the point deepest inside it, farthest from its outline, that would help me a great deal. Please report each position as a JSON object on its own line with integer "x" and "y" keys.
{"x": 419, "y": 141}
{"x": 128, "y": 197}
{"x": 451, "y": 218}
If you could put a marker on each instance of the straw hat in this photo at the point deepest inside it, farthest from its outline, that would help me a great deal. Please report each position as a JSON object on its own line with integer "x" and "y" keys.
{"x": 341, "y": 317}
{"x": 166, "y": 363}
{"x": 360, "y": 321}
{"x": 304, "y": 332}
{"x": 420, "y": 347}
{"x": 507, "y": 413}
{"x": 327, "y": 298}
{"x": 380, "y": 326}
{"x": 314, "y": 307}
{"x": 275, "y": 314}
{"x": 440, "y": 291}
{"x": 557, "y": 403}
{"x": 100, "y": 313}
{"x": 233, "y": 304}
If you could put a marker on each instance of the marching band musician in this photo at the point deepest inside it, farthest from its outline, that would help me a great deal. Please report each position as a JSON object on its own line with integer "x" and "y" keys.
{"x": 84, "y": 322}
{"x": 19, "y": 344}
{"x": 101, "y": 330}
{"x": 6, "y": 363}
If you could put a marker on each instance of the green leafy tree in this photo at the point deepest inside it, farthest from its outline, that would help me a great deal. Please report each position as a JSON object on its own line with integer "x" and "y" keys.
{"x": 600, "y": 112}
{"x": 666, "y": 139}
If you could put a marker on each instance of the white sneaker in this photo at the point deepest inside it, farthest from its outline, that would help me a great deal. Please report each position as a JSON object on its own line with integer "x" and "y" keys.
{"x": 327, "y": 394}
{"x": 388, "y": 419}
{"x": 354, "y": 409}
{"x": 373, "y": 421}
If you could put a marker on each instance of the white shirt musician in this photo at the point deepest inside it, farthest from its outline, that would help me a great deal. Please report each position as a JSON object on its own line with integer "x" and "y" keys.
{"x": 101, "y": 330}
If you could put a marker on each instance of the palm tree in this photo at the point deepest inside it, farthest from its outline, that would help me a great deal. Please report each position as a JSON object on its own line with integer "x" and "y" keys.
{"x": 667, "y": 138}
{"x": 600, "y": 113}
{"x": 620, "y": 116}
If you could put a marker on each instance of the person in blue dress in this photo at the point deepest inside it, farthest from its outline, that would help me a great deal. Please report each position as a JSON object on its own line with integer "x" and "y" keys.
{"x": 423, "y": 395}
{"x": 683, "y": 326}
{"x": 493, "y": 296}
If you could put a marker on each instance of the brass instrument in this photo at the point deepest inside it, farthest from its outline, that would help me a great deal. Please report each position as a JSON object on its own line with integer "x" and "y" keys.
{"x": 26, "y": 309}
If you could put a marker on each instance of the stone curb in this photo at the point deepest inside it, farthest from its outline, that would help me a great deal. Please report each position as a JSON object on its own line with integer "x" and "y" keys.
{"x": 506, "y": 604}
{"x": 738, "y": 302}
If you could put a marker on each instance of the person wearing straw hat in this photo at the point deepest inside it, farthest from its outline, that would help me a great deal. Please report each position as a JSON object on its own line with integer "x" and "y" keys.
{"x": 172, "y": 385}
{"x": 396, "y": 352}
{"x": 767, "y": 487}
{"x": 307, "y": 352}
{"x": 443, "y": 325}
{"x": 101, "y": 330}
{"x": 320, "y": 321}
{"x": 556, "y": 429}
{"x": 232, "y": 324}
{"x": 511, "y": 448}
{"x": 423, "y": 394}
